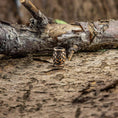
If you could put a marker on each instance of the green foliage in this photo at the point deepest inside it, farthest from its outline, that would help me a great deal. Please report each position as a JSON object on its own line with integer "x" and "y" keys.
{"x": 60, "y": 21}
{"x": 103, "y": 50}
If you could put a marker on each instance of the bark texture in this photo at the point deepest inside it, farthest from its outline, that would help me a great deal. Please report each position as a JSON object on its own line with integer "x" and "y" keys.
{"x": 82, "y": 37}
{"x": 45, "y": 35}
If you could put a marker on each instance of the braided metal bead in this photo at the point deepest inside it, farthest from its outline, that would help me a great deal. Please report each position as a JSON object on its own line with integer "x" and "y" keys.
{"x": 59, "y": 56}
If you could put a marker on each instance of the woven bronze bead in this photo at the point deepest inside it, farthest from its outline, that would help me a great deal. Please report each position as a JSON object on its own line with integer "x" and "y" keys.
{"x": 59, "y": 56}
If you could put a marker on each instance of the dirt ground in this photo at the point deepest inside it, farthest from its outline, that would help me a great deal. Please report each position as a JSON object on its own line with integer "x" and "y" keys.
{"x": 87, "y": 87}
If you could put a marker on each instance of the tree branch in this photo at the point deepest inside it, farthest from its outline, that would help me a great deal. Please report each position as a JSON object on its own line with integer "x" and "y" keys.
{"x": 82, "y": 36}
{"x": 40, "y": 17}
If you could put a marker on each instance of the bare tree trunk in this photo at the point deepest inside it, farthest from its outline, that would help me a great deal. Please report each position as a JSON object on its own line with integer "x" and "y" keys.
{"x": 44, "y": 36}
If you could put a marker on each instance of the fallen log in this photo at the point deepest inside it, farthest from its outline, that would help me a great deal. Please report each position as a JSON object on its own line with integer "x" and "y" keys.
{"x": 43, "y": 35}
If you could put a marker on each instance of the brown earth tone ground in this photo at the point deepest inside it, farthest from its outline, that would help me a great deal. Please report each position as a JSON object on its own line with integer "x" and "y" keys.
{"x": 87, "y": 87}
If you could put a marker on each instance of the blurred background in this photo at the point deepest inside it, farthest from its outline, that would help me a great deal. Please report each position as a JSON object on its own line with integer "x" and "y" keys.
{"x": 67, "y": 10}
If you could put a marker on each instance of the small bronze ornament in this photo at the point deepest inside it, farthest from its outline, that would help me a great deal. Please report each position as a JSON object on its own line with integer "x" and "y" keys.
{"x": 59, "y": 56}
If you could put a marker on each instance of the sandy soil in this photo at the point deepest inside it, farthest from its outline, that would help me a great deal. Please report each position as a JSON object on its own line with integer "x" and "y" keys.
{"x": 87, "y": 87}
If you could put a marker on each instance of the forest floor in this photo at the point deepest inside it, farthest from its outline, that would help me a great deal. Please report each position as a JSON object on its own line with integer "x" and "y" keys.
{"x": 87, "y": 87}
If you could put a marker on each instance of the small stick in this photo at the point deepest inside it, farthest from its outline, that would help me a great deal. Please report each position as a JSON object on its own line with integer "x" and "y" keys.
{"x": 70, "y": 55}
{"x": 110, "y": 86}
{"x": 34, "y": 11}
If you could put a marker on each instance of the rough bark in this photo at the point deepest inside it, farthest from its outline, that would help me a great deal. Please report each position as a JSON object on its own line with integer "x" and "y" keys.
{"x": 15, "y": 41}
{"x": 42, "y": 36}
